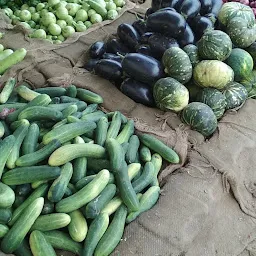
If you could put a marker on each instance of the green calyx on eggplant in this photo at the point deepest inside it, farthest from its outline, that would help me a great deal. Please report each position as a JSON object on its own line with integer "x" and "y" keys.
{"x": 144, "y": 49}
{"x": 90, "y": 64}
{"x": 145, "y": 37}
{"x": 139, "y": 92}
{"x": 166, "y": 22}
{"x": 112, "y": 56}
{"x": 142, "y": 68}
{"x": 116, "y": 46}
{"x": 128, "y": 35}
{"x": 159, "y": 44}
{"x": 187, "y": 38}
{"x": 109, "y": 69}
{"x": 97, "y": 49}
{"x": 140, "y": 26}
{"x": 190, "y": 8}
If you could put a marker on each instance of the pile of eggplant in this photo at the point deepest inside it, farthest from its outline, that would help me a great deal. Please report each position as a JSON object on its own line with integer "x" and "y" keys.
{"x": 131, "y": 60}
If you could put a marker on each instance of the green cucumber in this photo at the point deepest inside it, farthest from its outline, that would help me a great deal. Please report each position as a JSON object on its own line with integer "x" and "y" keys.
{"x": 23, "y": 249}
{"x": 77, "y": 114}
{"x": 147, "y": 201}
{"x": 98, "y": 8}
{"x": 62, "y": 241}
{"x": 145, "y": 178}
{"x": 7, "y": 196}
{"x": 58, "y": 187}
{"x": 159, "y": 147}
{"x": 2, "y": 129}
{"x": 4, "y": 54}
{"x": 48, "y": 207}
{"x": 67, "y": 132}
{"x": 97, "y": 165}
{"x": 93, "y": 117}
{"x": 113, "y": 234}
{"x": 14, "y": 106}
{"x": 110, "y": 115}
{"x": 78, "y": 227}
{"x": 112, "y": 206}
{"x": 88, "y": 96}
{"x": 39, "y": 245}
{"x": 70, "y": 152}
{"x": 39, "y": 155}
{"x": 5, "y": 216}
{"x": 7, "y": 90}
{"x": 101, "y": 131}
{"x": 23, "y": 175}
{"x": 79, "y": 164}
{"x": 156, "y": 160}
{"x": 60, "y": 123}
{"x": 133, "y": 170}
{"x": 51, "y": 222}
{"x": 18, "y": 123}
{"x": 114, "y": 126}
{"x": 126, "y": 132}
{"x": 60, "y": 106}
{"x": 7, "y": 130}
{"x": 36, "y": 184}
{"x": 81, "y": 105}
{"x": 125, "y": 147}
{"x": 93, "y": 209}
{"x": 3, "y": 230}
{"x": 71, "y": 91}
{"x": 39, "y": 192}
{"x": 134, "y": 144}
{"x": 95, "y": 232}
{"x": 30, "y": 141}
{"x": 69, "y": 110}
{"x": 84, "y": 195}
{"x": 19, "y": 135}
{"x": 18, "y": 201}
{"x": 73, "y": 119}
{"x": 145, "y": 154}
{"x": 52, "y": 91}
{"x": 26, "y": 93}
{"x": 90, "y": 109}
{"x": 40, "y": 113}
{"x": 21, "y": 227}
{"x": 67, "y": 99}
{"x": 6, "y": 146}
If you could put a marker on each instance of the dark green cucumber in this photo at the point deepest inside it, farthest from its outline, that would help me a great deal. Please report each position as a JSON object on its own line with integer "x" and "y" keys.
{"x": 69, "y": 111}
{"x": 30, "y": 141}
{"x": 114, "y": 126}
{"x": 23, "y": 175}
{"x": 39, "y": 192}
{"x": 51, "y": 222}
{"x": 84, "y": 195}
{"x": 7, "y": 196}
{"x": 101, "y": 131}
{"x": 62, "y": 241}
{"x": 123, "y": 118}
{"x": 52, "y": 91}
{"x": 7, "y": 90}
{"x": 90, "y": 109}
{"x": 58, "y": 187}
{"x": 78, "y": 227}
{"x": 21, "y": 227}
{"x": 19, "y": 135}
{"x": 93, "y": 117}
{"x": 5, "y": 216}
{"x": 159, "y": 147}
{"x": 88, "y": 96}
{"x": 23, "y": 249}
{"x": 126, "y": 132}
{"x": 6, "y": 146}
{"x": 156, "y": 160}
{"x": 134, "y": 144}
{"x": 126, "y": 190}
{"x": 81, "y": 105}
{"x": 40, "y": 113}
{"x": 95, "y": 232}
{"x": 97, "y": 165}
{"x": 113, "y": 234}
{"x": 39, "y": 245}
{"x": 39, "y": 155}
{"x": 23, "y": 190}
{"x": 93, "y": 209}
{"x": 145, "y": 179}
{"x": 48, "y": 207}
{"x": 71, "y": 91}
{"x": 145, "y": 154}
{"x": 67, "y": 99}
{"x": 68, "y": 131}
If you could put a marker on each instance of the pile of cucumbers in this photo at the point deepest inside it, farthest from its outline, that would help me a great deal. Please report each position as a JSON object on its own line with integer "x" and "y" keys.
{"x": 71, "y": 175}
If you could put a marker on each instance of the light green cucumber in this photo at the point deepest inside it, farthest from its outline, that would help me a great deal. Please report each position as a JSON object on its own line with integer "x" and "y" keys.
{"x": 126, "y": 132}
{"x": 101, "y": 131}
{"x": 3, "y": 230}
{"x": 133, "y": 148}
{"x": 27, "y": 93}
{"x": 88, "y": 96}
{"x": 114, "y": 126}
{"x": 90, "y": 109}
{"x": 145, "y": 154}
{"x": 7, "y": 196}
{"x": 94, "y": 117}
{"x": 69, "y": 111}
{"x": 156, "y": 160}
{"x": 7, "y": 90}
{"x": 112, "y": 206}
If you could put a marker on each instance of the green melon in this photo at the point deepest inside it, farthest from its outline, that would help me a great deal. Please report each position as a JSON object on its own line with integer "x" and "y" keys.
{"x": 200, "y": 117}
{"x": 192, "y": 52}
{"x": 169, "y": 94}
{"x": 214, "y": 45}
{"x": 214, "y": 99}
{"x": 177, "y": 64}
{"x": 241, "y": 62}
{"x": 235, "y": 94}
{"x": 213, "y": 73}
{"x": 252, "y": 50}
{"x": 250, "y": 84}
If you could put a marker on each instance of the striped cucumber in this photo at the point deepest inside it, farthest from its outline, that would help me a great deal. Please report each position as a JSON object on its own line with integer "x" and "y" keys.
{"x": 113, "y": 234}
{"x": 58, "y": 187}
{"x": 71, "y": 91}
{"x": 133, "y": 148}
{"x": 23, "y": 175}
{"x": 159, "y": 147}
{"x": 156, "y": 160}
{"x": 95, "y": 232}
{"x": 126, "y": 132}
{"x": 114, "y": 126}
{"x": 52, "y": 91}
{"x": 101, "y": 131}
{"x": 84, "y": 195}
{"x": 51, "y": 222}
{"x": 70, "y": 152}
{"x": 7, "y": 90}
{"x": 78, "y": 227}
{"x": 88, "y": 96}
{"x": 26, "y": 93}
{"x": 145, "y": 154}
{"x": 93, "y": 209}
{"x": 21, "y": 227}
{"x": 7, "y": 196}
{"x": 68, "y": 131}
{"x": 39, "y": 155}
{"x": 39, "y": 245}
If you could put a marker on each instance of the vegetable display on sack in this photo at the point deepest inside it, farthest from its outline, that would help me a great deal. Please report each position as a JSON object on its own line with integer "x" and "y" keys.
{"x": 56, "y": 20}
{"x": 71, "y": 175}
{"x": 183, "y": 52}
